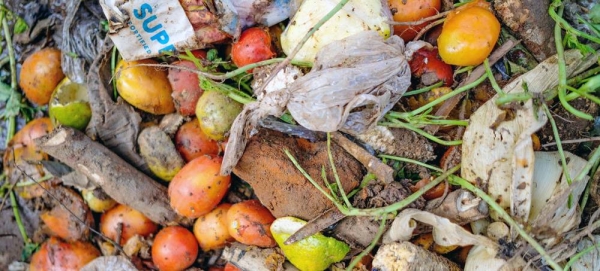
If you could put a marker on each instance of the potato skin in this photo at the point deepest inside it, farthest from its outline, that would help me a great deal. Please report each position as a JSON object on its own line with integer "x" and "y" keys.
{"x": 55, "y": 254}
{"x": 198, "y": 187}
{"x": 250, "y": 224}
{"x": 40, "y": 74}
{"x": 146, "y": 88}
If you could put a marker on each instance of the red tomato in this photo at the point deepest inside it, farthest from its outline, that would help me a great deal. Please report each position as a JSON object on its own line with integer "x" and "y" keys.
{"x": 231, "y": 267}
{"x": 425, "y": 61}
{"x": 132, "y": 221}
{"x": 198, "y": 187}
{"x": 174, "y": 249}
{"x": 469, "y": 34}
{"x": 192, "y": 142}
{"x": 186, "y": 87}
{"x": 250, "y": 223}
{"x": 253, "y": 46}
{"x": 410, "y": 11}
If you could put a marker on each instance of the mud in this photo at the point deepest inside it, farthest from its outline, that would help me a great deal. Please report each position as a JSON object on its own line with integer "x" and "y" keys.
{"x": 280, "y": 186}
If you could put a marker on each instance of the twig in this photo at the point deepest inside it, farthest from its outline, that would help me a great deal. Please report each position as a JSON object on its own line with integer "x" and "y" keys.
{"x": 421, "y": 21}
{"x": 428, "y": 27}
{"x": 573, "y": 141}
{"x": 373, "y": 164}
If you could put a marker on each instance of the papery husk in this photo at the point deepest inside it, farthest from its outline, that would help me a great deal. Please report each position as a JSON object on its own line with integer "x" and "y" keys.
{"x": 589, "y": 260}
{"x": 497, "y": 153}
{"x": 353, "y": 83}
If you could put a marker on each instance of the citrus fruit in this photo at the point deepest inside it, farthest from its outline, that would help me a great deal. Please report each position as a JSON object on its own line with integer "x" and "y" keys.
{"x": 69, "y": 105}
{"x": 314, "y": 253}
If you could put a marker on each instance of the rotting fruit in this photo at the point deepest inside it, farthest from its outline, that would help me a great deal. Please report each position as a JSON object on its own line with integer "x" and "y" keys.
{"x": 469, "y": 34}
{"x": 249, "y": 223}
{"x": 131, "y": 221}
{"x": 146, "y": 88}
{"x": 198, "y": 187}
{"x": 174, "y": 249}
{"x": 253, "y": 46}
{"x": 40, "y": 74}
{"x": 55, "y": 254}
{"x": 69, "y": 105}
{"x": 410, "y": 11}
{"x": 211, "y": 229}
{"x": 192, "y": 142}
{"x": 216, "y": 113}
{"x": 185, "y": 85}
{"x": 427, "y": 65}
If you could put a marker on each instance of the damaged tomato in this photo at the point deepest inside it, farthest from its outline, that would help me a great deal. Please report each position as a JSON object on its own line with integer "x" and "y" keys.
{"x": 174, "y": 249}
{"x": 250, "y": 223}
{"x": 192, "y": 142}
{"x": 211, "y": 229}
{"x": 253, "y": 46}
{"x": 185, "y": 85}
{"x": 55, "y": 254}
{"x": 410, "y": 11}
{"x": 127, "y": 222}
{"x": 40, "y": 74}
{"x": 427, "y": 65}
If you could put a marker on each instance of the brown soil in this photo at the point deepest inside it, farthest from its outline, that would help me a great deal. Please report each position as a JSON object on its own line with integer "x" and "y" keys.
{"x": 569, "y": 126}
{"x": 280, "y": 186}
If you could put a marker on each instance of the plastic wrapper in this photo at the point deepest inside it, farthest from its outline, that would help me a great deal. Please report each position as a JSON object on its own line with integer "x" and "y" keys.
{"x": 353, "y": 83}
{"x": 238, "y": 14}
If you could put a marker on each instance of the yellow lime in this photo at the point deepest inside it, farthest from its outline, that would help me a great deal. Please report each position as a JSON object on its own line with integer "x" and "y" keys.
{"x": 314, "y": 253}
{"x": 69, "y": 105}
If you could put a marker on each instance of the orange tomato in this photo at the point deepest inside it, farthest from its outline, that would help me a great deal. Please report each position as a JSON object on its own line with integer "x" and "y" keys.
{"x": 250, "y": 223}
{"x": 55, "y": 254}
{"x": 469, "y": 34}
{"x": 433, "y": 193}
{"x": 174, "y": 249}
{"x": 192, "y": 142}
{"x": 40, "y": 74}
{"x": 132, "y": 221}
{"x": 198, "y": 187}
{"x": 211, "y": 229}
{"x": 410, "y": 11}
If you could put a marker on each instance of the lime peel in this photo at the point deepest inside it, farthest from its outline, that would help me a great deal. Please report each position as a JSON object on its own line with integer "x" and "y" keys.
{"x": 69, "y": 105}
{"x": 314, "y": 253}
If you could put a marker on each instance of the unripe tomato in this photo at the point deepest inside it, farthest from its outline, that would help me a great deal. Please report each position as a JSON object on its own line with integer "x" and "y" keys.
{"x": 174, "y": 249}
{"x": 211, "y": 229}
{"x": 132, "y": 222}
{"x": 40, "y": 74}
{"x": 410, "y": 11}
{"x": 250, "y": 224}
{"x": 469, "y": 34}
{"x": 198, "y": 187}
{"x": 253, "y": 46}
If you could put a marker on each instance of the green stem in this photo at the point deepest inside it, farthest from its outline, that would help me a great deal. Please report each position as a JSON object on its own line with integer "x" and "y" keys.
{"x": 420, "y": 132}
{"x": 13, "y": 71}
{"x": 564, "y": 24}
{"x": 376, "y": 212}
{"x": 580, "y": 254}
{"x": 513, "y": 97}
{"x": 441, "y": 99}
{"x": 407, "y": 160}
{"x": 365, "y": 181}
{"x": 490, "y": 75}
{"x": 504, "y": 215}
{"x": 373, "y": 243}
{"x": 113, "y": 65}
{"x": 549, "y": 95}
{"x": 335, "y": 174}
{"x": 13, "y": 202}
{"x": 558, "y": 144}
{"x": 422, "y": 90}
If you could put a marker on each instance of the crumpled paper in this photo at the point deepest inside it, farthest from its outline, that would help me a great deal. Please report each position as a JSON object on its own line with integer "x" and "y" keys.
{"x": 353, "y": 83}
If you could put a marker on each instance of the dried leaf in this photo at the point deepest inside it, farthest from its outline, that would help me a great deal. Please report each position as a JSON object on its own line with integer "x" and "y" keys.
{"x": 109, "y": 263}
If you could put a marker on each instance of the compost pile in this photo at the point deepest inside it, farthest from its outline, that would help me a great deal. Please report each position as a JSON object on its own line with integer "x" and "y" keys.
{"x": 300, "y": 135}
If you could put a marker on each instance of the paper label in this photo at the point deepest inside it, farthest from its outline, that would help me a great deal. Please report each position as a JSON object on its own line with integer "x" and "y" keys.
{"x": 147, "y": 28}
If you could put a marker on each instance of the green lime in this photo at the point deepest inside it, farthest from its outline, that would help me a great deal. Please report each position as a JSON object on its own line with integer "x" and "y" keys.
{"x": 69, "y": 105}
{"x": 314, "y": 253}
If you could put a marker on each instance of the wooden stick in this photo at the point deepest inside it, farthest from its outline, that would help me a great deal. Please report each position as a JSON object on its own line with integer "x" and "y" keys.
{"x": 118, "y": 179}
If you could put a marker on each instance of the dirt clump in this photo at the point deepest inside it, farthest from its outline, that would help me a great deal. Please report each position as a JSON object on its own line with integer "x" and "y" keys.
{"x": 280, "y": 186}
